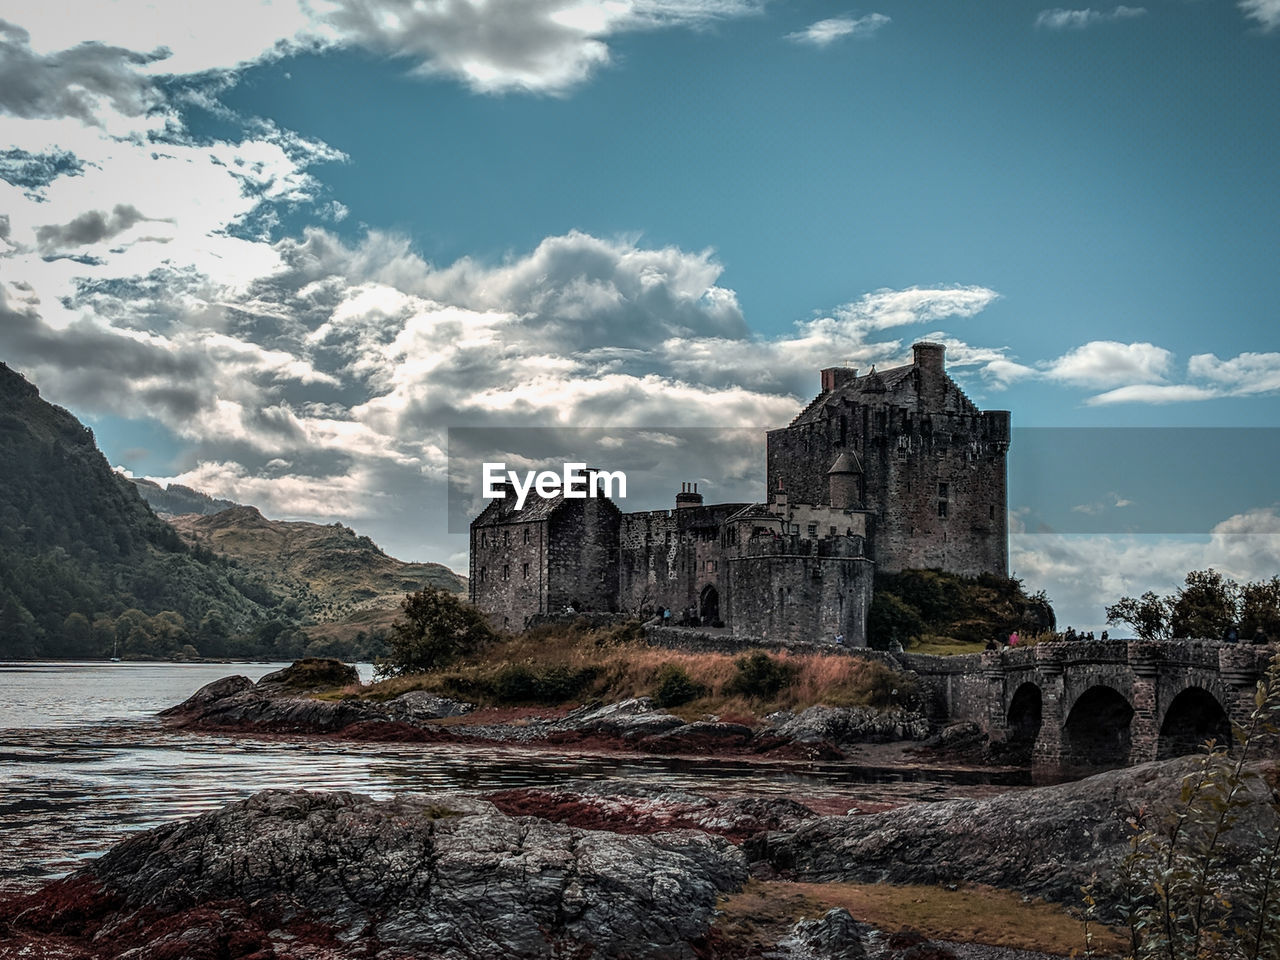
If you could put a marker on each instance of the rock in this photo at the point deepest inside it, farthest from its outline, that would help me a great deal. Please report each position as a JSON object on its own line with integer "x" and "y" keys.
{"x": 699, "y": 736}
{"x": 636, "y": 808}
{"x": 853, "y": 725}
{"x": 430, "y": 876}
{"x": 631, "y": 718}
{"x": 1044, "y": 841}
{"x": 210, "y": 693}
{"x": 419, "y": 705}
{"x": 834, "y": 936}
{"x": 311, "y": 673}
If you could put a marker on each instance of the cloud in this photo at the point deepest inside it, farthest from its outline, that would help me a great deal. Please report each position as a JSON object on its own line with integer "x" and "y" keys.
{"x": 1265, "y": 12}
{"x": 1153, "y": 393}
{"x": 78, "y": 82}
{"x": 1104, "y": 363}
{"x": 1084, "y": 574}
{"x": 491, "y": 46}
{"x": 1242, "y": 375}
{"x": 1060, "y": 19}
{"x": 823, "y": 33}
{"x": 89, "y": 228}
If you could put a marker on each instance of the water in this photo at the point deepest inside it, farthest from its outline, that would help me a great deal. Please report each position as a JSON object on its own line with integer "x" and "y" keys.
{"x": 84, "y": 762}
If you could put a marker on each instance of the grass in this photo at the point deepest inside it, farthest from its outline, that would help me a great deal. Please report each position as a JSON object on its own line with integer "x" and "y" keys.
{"x": 613, "y": 663}
{"x": 974, "y": 914}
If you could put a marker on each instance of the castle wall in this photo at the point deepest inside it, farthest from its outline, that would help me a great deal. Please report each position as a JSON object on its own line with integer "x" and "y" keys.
{"x": 582, "y": 559}
{"x": 509, "y": 571}
{"x": 789, "y": 589}
{"x": 653, "y": 563}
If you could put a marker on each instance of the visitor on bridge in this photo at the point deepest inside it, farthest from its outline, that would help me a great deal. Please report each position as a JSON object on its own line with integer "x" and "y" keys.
{"x": 1259, "y": 637}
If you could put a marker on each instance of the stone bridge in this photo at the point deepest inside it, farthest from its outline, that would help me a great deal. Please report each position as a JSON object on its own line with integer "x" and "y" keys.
{"x": 1101, "y": 702}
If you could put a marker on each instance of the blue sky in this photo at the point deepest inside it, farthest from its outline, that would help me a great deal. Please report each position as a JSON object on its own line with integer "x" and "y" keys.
{"x": 275, "y": 250}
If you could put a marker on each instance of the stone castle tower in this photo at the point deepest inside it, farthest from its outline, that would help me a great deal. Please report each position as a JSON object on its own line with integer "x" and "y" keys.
{"x": 906, "y": 445}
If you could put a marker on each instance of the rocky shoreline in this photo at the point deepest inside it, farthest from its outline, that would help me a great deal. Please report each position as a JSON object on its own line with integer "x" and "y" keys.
{"x": 587, "y": 870}
{"x": 281, "y": 703}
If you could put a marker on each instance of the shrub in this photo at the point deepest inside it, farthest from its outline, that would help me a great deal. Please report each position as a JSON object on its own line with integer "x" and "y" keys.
{"x": 676, "y": 687}
{"x": 518, "y": 683}
{"x": 760, "y": 676}
{"x": 437, "y": 628}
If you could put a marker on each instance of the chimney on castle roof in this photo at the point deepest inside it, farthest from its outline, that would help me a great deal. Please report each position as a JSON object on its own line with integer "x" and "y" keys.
{"x": 929, "y": 356}
{"x": 688, "y": 496}
{"x": 833, "y": 378}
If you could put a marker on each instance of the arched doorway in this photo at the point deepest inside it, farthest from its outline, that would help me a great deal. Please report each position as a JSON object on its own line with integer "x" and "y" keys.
{"x": 1194, "y": 716}
{"x": 709, "y": 606}
{"x": 1096, "y": 733}
{"x": 1023, "y": 721}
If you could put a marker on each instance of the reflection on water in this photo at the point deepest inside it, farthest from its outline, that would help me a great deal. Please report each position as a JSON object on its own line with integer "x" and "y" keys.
{"x": 83, "y": 762}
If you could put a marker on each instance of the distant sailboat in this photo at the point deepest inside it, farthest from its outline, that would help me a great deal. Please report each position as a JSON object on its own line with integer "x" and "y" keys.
{"x": 115, "y": 650}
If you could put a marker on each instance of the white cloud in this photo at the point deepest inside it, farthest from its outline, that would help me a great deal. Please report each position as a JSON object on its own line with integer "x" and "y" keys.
{"x": 1060, "y": 19}
{"x": 492, "y": 46}
{"x": 1104, "y": 363}
{"x": 1265, "y": 12}
{"x": 823, "y": 33}
{"x": 1242, "y": 375}
{"x": 1153, "y": 393}
{"x": 1083, "y": 574}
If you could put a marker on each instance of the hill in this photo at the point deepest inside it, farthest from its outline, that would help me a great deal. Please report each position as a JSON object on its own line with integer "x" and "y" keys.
{"x": 325, "y": 574}
{"x": 85, "y": 565}
{"x": 177, "y": 499}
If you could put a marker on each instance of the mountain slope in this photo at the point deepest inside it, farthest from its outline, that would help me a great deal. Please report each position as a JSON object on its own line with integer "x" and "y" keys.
{"x": 82, "y": 557}
{"x": 176, "y": 499}
{"x": 326, "y": 573}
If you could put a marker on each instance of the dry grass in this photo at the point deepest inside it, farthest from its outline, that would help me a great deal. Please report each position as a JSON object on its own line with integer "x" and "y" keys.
{"x": 968, "y": 915}
{"x": 620, "y": 665}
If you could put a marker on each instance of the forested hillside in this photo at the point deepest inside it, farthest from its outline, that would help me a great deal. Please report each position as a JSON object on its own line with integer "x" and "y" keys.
{"x": 84, "y": 563}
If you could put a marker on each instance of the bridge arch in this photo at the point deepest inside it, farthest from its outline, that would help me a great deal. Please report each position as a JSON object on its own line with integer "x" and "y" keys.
{"x": 1097, "y": 729}
{"x": 1192, "y": 717}
{"x": 1026, "y": 708}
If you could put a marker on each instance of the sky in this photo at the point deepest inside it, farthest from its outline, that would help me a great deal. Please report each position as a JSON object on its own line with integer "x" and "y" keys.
{"x": 278, "y": 250}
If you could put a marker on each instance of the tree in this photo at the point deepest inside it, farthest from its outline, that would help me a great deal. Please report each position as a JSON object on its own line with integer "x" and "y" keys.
{"x": 1260, "y": 608}
{"x": 435, "y": 629}
{"x": 1148, "y": 615}
{"x": 1206, "y": 607}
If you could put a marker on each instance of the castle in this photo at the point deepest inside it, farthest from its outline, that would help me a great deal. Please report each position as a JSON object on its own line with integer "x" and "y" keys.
{"x": 892, "y": 470}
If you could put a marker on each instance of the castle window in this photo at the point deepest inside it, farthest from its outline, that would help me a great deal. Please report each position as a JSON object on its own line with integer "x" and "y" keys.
{"x": 795, "y": 529}
{"x": 942, "y": 509}
{"x": 991, "y": 513}
{"x": 484, "y": 539}
{"x": 813, "y": 530}
{"x": 942, "y": 491}
{"x": 506, "y": 571}
{"x": 526, "y": 534}
{"x": 483, "y": 574}
{"x": 833, "y": 531}
{"x": 506, "y": 538}
{"x": 526, "y": 571}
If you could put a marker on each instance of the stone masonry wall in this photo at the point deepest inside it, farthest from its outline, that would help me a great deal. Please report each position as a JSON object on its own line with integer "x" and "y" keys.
{"x": 509, "y": 571}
